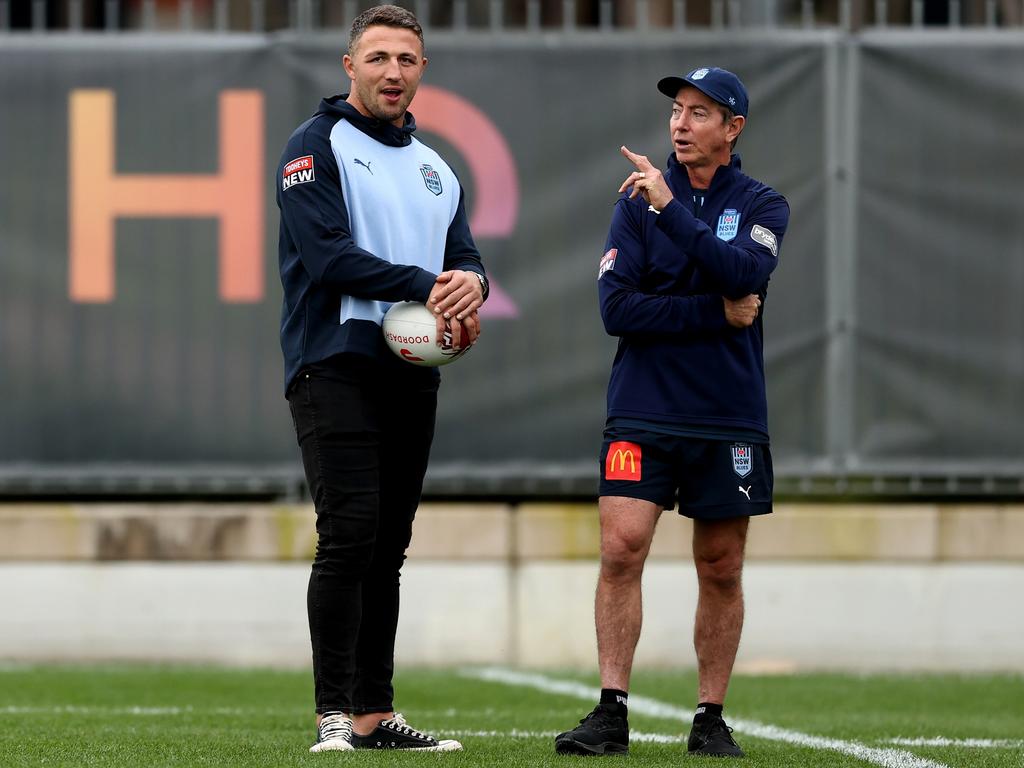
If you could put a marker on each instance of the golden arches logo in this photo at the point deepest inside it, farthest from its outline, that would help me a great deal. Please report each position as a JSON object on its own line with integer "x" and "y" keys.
{"x": 622, "y": 455}
{"x": 624, "y": 461}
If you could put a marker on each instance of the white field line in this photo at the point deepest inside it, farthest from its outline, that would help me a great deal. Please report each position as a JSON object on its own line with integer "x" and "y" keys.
{"x": 657, "y": 738}
{"x": 939, "y": 741}
{"x": 138, "y": 711}
{"x": 886, "y": 757}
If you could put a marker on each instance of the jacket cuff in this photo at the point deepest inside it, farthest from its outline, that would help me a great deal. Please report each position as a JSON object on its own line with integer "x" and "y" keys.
{"x": 485, "y": 282}
{"x": 422, "y": 284}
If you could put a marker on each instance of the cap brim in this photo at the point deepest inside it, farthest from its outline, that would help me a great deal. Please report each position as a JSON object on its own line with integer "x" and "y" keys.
{"x": 670, "y": 86}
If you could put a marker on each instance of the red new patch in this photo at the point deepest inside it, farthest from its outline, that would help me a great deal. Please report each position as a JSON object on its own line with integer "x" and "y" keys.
{"x": 298, "y": 171}
{"x": 607, "y": 262}
{"x": 623, "y": 461}
{"x": 299, "y": 164}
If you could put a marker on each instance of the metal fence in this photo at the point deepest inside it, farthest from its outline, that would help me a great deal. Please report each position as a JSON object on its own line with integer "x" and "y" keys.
{"x": 527, "y": 16}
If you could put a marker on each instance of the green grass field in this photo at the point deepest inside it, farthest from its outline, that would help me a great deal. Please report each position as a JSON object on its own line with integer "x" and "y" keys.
{"x": 147, "y": 716}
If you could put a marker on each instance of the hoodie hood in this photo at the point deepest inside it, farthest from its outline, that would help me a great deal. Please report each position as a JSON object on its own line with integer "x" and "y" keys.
{"x": 382, "y": 131}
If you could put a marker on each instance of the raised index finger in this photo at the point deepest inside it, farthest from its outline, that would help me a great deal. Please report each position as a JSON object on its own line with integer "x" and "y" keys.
{"x": 641, "y": 162}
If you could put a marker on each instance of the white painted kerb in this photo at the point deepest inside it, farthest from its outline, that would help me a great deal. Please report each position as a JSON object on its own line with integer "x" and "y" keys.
{"x": 839, "y": 616}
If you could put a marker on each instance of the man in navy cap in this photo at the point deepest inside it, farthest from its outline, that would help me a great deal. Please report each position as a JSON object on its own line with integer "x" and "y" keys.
{"x": 682, "y": 284}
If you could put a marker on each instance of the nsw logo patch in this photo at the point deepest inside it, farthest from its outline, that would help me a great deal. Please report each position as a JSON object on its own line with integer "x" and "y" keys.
{"x": 431, "y": 178}
{"x": 623, "y": 461}
{"x": 298, "y": 171}
{"x": 607, "y": 262}
{"x": 728, "y": 224}
{"x": 766, "y": 238}
{"x": 742, "y": 459}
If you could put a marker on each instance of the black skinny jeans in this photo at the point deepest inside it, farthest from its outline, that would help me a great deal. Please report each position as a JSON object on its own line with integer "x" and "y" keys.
{"x": 364, "y": 428}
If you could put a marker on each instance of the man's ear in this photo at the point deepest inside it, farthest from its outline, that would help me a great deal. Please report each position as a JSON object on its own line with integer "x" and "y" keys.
{"x": 735, "y": 127}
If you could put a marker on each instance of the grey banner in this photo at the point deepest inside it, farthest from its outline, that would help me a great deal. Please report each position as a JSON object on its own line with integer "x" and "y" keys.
{"x": 939, "y": 325}
{"x": 175, "y": 371}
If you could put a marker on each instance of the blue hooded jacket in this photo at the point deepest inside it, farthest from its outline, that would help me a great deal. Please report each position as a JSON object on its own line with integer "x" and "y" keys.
{"x": 679, "y": 363}
{"x": 369, "y": 216}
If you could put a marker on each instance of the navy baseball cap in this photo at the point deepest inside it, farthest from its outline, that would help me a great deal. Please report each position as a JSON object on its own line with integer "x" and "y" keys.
{"x": 720, "y": 84}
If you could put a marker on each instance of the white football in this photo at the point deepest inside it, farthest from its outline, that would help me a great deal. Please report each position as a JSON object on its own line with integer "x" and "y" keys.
{"x": 410, "y": 332}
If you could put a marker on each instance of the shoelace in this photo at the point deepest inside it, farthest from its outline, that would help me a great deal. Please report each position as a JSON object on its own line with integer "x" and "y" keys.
{"x": 397, "y": 723}
{"x": 335, "y": 727}
{"x": 719, "y": 725}
{"x": 599, "y": 715}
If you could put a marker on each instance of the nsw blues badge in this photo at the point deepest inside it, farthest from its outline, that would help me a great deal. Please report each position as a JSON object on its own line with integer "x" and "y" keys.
{"x": 431, "y": 178}
{"x": 728, "y": 224}
{"x": 742, "y": 459}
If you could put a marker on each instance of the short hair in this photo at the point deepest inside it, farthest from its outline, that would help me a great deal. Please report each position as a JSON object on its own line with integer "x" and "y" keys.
{"x": 383, "y": 16}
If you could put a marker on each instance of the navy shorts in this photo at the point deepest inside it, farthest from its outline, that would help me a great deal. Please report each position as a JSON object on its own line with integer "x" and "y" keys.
{"x": 714, "y": 479}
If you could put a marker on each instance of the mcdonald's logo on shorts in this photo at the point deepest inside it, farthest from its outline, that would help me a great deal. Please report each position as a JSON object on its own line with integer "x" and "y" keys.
{"x": 623, "y": 461}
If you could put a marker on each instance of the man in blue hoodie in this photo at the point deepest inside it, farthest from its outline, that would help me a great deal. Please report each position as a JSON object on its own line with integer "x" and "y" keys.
{"x": 681, "y": 284}
{"x": 369, "y": 216}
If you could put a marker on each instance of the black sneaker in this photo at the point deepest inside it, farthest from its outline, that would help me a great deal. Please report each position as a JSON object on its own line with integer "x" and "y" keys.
{"x": 398, "y": 734}
{"x": 603, "y": 732}
{"x": 334, "y": 733}
{"x": 712, "y": 737}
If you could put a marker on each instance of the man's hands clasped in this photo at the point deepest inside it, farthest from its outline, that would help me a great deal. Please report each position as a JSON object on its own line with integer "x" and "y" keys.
{"x": 648, "y": 181}
{"x": 741, "y": 313}
{"x": 455, "y": 298}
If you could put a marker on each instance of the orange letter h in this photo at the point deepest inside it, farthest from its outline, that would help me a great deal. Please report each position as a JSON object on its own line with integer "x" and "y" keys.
{"x": 98, "y": 195}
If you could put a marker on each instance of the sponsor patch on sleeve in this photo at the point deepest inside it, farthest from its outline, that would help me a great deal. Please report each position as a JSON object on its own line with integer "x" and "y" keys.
{"x": 297, "y": 171}
{"x": 607, "y": 262}
{"x": 765, "y": 237}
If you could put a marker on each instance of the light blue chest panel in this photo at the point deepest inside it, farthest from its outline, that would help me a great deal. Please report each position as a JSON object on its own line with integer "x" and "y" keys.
{"x": 400, "y": 200}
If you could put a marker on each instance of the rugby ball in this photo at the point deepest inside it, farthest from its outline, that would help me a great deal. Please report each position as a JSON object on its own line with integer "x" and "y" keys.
{"x": 410, "y": 332}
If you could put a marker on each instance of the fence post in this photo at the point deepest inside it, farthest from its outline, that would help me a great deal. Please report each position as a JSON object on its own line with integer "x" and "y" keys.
{"x": 841, "y": 104}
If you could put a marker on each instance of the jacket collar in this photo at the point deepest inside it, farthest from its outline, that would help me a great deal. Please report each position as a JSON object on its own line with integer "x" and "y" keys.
{"x": 723, "y": 173}
{"x": 383, "y": 131}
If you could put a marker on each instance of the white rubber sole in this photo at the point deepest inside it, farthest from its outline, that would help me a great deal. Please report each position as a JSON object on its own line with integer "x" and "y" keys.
{"x": 332, "y": 745}
{"x": 444, "y": 745}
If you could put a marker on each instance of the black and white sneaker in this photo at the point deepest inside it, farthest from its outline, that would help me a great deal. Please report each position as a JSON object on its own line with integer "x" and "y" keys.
{"x": 398, "y": 734}
{"x": 603, "y": 732}
{"x": 712, "y": 737}
{"x": 333, "y": 734}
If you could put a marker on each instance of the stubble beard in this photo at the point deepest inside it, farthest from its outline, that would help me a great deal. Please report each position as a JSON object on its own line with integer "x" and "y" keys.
{"x": 369, "y": 97}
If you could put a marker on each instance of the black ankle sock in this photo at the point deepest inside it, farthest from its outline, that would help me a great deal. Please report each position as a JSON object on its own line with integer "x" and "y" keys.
{"x": 706, "y": 710}
{"x": 616, "y": 698}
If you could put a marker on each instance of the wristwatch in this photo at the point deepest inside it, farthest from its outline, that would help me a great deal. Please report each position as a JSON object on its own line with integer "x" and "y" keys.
{"x": 483, "y": 282}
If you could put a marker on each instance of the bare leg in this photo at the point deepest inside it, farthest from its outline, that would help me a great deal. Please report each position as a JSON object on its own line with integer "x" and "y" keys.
{"x": 627, "y": 528}
{"x": 718, "y": 555}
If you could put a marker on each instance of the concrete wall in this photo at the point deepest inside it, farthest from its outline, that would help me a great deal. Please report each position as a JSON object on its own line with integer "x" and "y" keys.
{"x": 837, "y": 586}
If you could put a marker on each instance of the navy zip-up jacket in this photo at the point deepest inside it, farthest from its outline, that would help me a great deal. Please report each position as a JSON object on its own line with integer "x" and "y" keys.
{"x": 661, "y": 284}
{"x": 369, "y": 216}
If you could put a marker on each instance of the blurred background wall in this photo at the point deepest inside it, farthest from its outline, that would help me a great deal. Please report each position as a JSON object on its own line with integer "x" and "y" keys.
{"x": 139, "y": 307}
